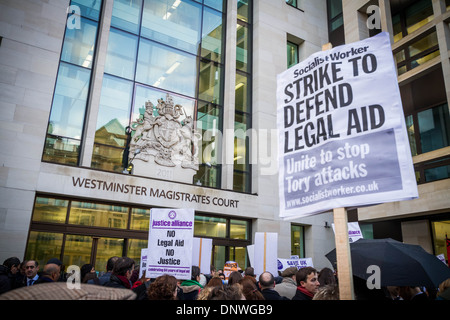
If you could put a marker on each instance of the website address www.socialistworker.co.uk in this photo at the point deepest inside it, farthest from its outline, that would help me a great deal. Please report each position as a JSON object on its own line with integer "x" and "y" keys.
{"x": 333, "y": 192}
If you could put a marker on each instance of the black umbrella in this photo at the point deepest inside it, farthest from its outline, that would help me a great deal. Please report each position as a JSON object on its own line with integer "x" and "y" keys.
{"x": 400, "y": 264}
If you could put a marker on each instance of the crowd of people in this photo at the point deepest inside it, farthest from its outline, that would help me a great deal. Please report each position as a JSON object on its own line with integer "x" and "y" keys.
{"x": 291, "y": 284}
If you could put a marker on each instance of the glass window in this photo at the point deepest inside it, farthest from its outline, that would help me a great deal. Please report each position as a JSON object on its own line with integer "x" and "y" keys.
{"x": 50, "y": 210}
{"x": 165, "y": 68}
{"x": 61, "y": 150}
{"x": 134, "y": 249}
{"x": 238, "y": 229}
{"x": 292, "y": 54}
{"x": 209, "y": 84}
{"x": 243, "y": 12}
{"x": 78, "y": 47}
{"x": 438, "y": 173}
{"x": 297, "y": 244}
{"x": 292, "y": 3}
{"x": 107, "y": 248}
{"x": 126, "y": 15}
{"x": 207, "y": 176}
{"x": 43, "y": 246}
{"x": 241, "y": 126}
{"x": 212, "y": 35}
{"x": 108, "y": 158}
{"x": 77, "y": 250}
{"x": 241, "y": 181}
{"x": 242, "y": 99}
{"x": 411, "y": 134}
{"x": 434, "y": 128}
{"x": 210, "y": 227}
{"x": 114, "y": 111}
{"x": 69, "y": 101}
{"x": 99, "y": 215}
{"x": 441, "y": 230}
{"x": 208, "y": 122}
{"x": 397, "y": 27}
{"x": 216, "y": 4}
{"x": 423, "y": 44}
{"x": 242, "y": 48}
{"x": 89, "y": 8}
{"x": 121, "y": 54}
{"x": 140, "y": 219}
{"x": 238, "y": 254}
{"x": 174, "y": 23}
{"x": 418, "y": 14}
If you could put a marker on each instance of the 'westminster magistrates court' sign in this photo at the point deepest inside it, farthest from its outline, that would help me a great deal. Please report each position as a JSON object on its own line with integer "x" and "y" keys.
{"x": 342, "y": 133}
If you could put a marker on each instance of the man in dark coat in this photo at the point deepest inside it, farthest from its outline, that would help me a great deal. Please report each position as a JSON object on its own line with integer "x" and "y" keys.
{"x": 267, "y": 285}
{"x": 307, "y": 284}
{"x": 121, "y": 274}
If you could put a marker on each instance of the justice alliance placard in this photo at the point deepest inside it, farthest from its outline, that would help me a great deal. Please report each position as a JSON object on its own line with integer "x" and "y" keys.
{"x": 170, "y": 241}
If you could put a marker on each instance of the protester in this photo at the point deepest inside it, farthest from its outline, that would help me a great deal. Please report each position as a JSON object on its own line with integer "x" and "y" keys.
{"x": 50, "y": 273}
{"x": 267, "y": 285}
{"x": 192, "y": 287}
{"x": 31, "y": 272}
{"x": 249, "y": 289}
{"x": 213, "y": 283}
{"x": 105, "y": 277}
{"x": 412, "y": 294}
{"x": 234, "y": 277}
{"x": 307, "y": 284}
{"x": 326, "y": 277}
{"x": 288, "y": 285}
{"x": 8, "y": 274}
{"x": 87, "y": 272}
{"x": 327, "y": 292}
{"x": 444, "y": 290}
{"x": 163, "y": 288}
{"x": 121, "y": 273}
{"x": 233, "y": 292}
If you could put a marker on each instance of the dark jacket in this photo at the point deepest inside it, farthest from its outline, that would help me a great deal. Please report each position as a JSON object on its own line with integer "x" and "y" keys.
{"x": 5, "y": 279}
{"x": 271, "y": 294}
{"x": 103, "y": 279}
{"x": 301, "y": 296}
{"x": 116, "y": 282}
{"x": 190, "y": 289}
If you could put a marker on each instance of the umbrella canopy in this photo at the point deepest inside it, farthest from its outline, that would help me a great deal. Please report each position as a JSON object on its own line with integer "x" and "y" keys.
{"x": 400, "y": 264}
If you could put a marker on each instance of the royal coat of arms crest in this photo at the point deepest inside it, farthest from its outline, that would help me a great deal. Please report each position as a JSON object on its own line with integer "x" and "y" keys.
{"x": 166, "y": 135}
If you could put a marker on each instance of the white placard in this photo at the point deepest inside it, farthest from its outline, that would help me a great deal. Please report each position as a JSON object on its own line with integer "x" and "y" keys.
{"x": 143, "y": 264}
{"x": 354, "y": 231}
{"x": 266, "y": 253}
{"x": 170, "y": 243}
{"x": 342, "y": 134}
{"x": 201, "y": 254}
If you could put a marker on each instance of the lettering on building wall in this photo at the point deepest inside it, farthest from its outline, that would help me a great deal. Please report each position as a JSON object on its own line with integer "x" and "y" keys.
{"x": 157, "y": 193}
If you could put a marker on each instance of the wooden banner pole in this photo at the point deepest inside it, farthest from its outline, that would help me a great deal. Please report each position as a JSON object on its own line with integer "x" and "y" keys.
{"x": 343, "y": 256}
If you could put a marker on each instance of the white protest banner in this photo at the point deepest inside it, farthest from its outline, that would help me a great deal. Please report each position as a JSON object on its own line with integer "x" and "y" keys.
{"x": 251, "y": 254}
{"x": 342, "y": 134}
{"x": 299, "y": 263}
{"x": 266, "y": 253}
{"x": 170, "y": 243}
{"x": 201, "y": 254}
{"x": 143, "y": 264}
{"x": 354, "y": 231}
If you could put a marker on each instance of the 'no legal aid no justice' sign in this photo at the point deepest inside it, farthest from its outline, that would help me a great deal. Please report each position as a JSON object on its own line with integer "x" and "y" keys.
{"x": 342, "y": 134}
